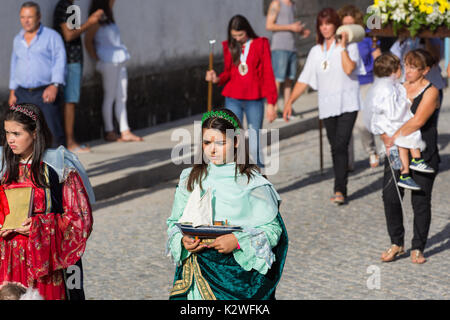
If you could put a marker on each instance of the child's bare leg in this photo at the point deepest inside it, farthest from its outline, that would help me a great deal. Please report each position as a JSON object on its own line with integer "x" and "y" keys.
{"x": 404, "y": 159}
{"x": 415, "y": 153}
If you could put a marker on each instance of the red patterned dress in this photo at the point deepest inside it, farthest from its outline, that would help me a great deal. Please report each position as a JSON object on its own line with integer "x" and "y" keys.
{"x": 56, "y": 241}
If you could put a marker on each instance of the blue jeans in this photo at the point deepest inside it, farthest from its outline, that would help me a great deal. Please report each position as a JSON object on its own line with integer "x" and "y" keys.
{"x": 74, "y": 73}
{"x": 254, "y": 112}
{"x": 284, "y": 64}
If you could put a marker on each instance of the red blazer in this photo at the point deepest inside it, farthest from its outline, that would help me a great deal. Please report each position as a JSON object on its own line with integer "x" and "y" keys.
{"x": 258, "y": 83}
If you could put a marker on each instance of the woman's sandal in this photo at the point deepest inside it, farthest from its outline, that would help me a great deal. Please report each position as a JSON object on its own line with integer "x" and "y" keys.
{"x": 417, "y": 257}
{"x": 391, "y": 253}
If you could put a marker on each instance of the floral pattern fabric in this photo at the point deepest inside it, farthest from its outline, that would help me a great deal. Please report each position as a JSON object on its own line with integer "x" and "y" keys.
{"x": 56, "y": 240}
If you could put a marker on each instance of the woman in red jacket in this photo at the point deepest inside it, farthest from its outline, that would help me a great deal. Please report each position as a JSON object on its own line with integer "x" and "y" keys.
{"x": 247, "y": 78}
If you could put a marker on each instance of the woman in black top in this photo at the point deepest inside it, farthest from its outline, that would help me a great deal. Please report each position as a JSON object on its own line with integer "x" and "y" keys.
{"x": 425, "y": 103}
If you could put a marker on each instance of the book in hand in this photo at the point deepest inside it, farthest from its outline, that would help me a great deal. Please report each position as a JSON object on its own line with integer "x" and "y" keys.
{"x": 20, "y": 201}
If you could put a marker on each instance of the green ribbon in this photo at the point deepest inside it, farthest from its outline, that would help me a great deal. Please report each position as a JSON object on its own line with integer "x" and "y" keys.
{"x": 222, "y": 115}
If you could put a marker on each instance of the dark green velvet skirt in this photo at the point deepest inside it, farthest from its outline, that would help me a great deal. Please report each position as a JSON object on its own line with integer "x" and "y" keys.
{"x": 219, "y": 276}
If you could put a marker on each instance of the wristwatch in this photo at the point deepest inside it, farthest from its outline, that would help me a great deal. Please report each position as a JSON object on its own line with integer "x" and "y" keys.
{"x": 55, "y": 84}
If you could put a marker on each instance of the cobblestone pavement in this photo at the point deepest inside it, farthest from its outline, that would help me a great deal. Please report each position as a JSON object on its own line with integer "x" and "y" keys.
{"x": 333, "y": 251}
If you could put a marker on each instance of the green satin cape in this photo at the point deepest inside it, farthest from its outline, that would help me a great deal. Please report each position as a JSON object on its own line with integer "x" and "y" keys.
{"x": 219, "y": 276}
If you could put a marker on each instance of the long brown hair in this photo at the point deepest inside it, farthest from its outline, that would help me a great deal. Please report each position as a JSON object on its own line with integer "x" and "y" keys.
{"x": 35, "y": 124}
{"x": 200, "y": 170}
{"x": 238, "y": 23}
{"x": 326, "y": 15}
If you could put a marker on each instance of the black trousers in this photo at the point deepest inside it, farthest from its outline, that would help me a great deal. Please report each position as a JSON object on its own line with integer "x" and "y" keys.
{"x": 339, "y": 131}
{"x": 421, "y": 204}
{"x": 51, "y": 111}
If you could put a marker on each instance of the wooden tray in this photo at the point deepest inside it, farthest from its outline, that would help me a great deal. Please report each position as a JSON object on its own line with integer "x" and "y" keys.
{"x": 440, "y": 32}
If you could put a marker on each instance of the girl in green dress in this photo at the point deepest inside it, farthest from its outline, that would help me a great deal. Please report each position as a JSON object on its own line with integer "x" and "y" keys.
{"x": 244, "y": 264}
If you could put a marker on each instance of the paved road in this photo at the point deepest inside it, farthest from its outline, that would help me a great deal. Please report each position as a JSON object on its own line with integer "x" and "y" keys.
{"x": 331, "y": 248}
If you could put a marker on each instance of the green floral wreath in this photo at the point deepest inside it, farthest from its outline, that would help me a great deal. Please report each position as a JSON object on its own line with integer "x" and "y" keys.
{"x": 222, "y": 115}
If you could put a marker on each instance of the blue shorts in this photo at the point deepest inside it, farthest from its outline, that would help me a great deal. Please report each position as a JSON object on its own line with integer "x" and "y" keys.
{"x": 73, "y": 83}
{"x": 284, "y": 65}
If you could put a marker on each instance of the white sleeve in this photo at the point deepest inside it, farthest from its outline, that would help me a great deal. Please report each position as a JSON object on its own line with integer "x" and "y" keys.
{"x": 353, "y": 53}
{"x": 309, "y": 73}
{"x": 397, "y": 49}
{"x": 376, "y": 106}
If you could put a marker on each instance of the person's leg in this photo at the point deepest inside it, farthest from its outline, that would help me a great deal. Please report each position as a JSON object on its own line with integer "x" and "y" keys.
{"x": 280, "y": 65}
{"x": 421, "y": 203}
{"x": 330, "y": 125}
{"x": 403, "y": 153}
{"x": 71, "y": 98}
{"x": 415, "y": 153}
{"x": 342, "y": 131}
{"x": 287, "y": 90}
{"x": 367, "y": 141}
{"x": 351, "y": 154}
{"x": 392, "y": 205}
{"x": 121, "y": 100}
{"x": 254, "y": 111}
{"x": 110, "y": 76}
{"x": 367, "y": 138}
{"x": 121, "y": 107}
{"x": 235, "y": 106}
{"x": 69, "y": 120}
{"x": 291, "y": 75}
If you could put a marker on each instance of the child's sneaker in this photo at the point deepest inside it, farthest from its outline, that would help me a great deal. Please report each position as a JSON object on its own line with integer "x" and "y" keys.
{"x": 407, "y": 182}
{"x": 421, "y": 166}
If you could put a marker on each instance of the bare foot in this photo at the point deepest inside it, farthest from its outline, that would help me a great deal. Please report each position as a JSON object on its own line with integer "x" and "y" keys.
{"x": 127, "y": 136}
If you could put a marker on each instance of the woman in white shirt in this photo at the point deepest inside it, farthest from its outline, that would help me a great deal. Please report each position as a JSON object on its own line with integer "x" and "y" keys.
{"x": 103, "y": 44}
{"x": 332, "y": 69}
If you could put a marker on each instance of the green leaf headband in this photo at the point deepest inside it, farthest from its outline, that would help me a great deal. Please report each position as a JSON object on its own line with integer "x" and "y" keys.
{"x": 222, "y": 115}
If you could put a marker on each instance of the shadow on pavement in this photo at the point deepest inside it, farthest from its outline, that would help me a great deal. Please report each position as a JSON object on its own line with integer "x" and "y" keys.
{"x": 133, "y": 195}
{"x": 129, "y": 161}
{"x": 442, "y": 239}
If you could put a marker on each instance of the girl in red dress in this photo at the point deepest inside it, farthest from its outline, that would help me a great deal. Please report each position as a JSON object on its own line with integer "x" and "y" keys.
{"x": 54, "y": 237}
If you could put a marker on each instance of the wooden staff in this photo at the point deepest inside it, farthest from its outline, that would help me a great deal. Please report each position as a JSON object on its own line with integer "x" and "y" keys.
{"x": 210, "y": 84}
{"x": 320, "y": 146}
